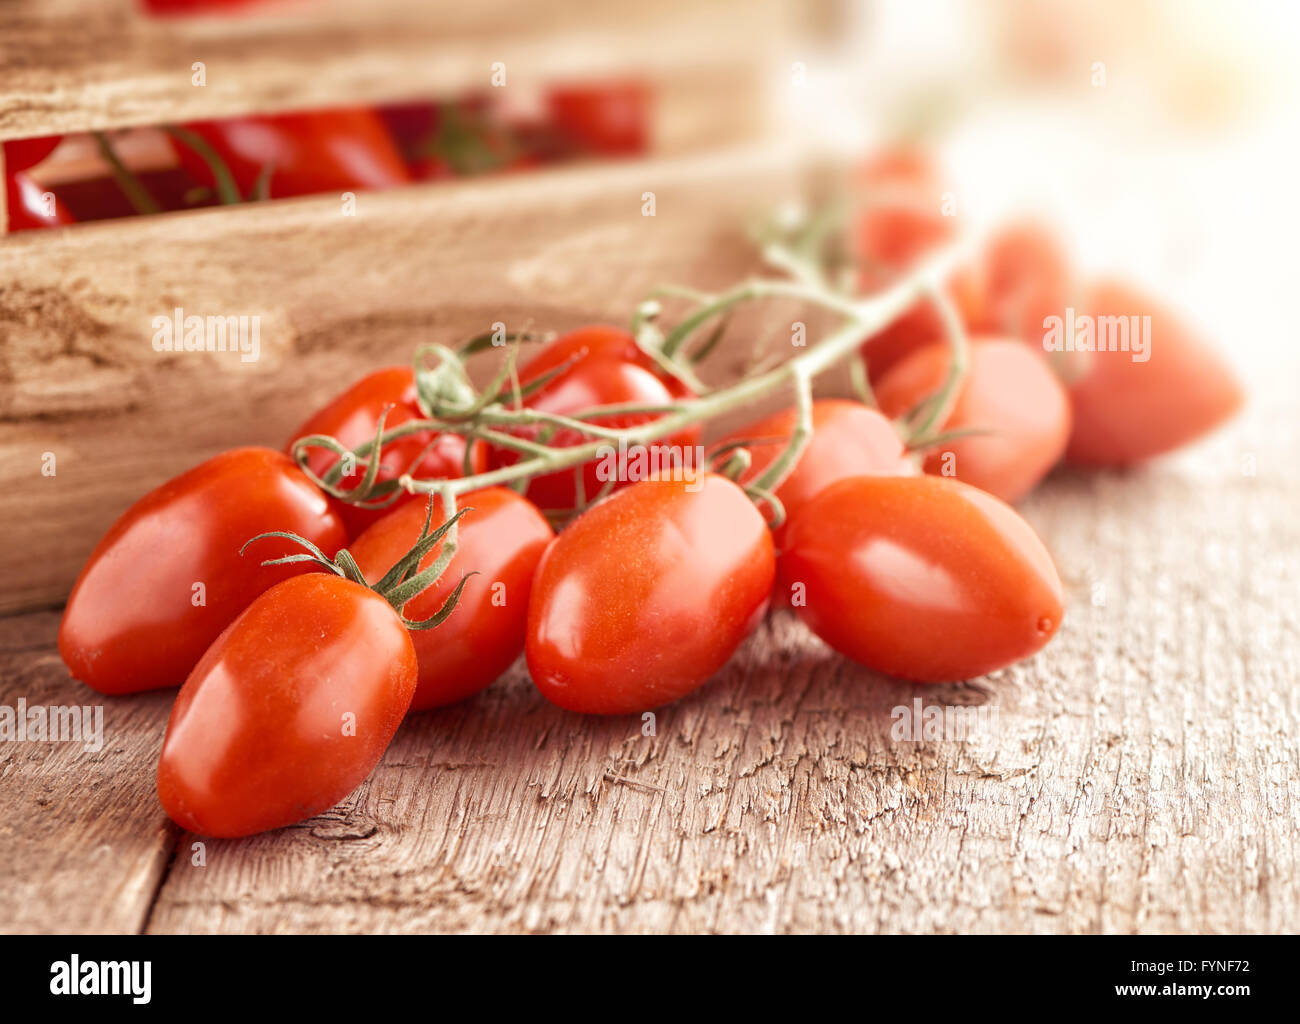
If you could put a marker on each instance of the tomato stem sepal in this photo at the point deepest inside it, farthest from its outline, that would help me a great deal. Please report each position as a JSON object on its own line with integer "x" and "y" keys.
{"x": 405, "y": 579}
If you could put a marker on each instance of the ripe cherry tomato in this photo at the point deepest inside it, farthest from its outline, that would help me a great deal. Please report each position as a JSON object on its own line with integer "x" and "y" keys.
{"x": 647, "y": 594}
{"x": 501, "y": 538}
{"x": 353, "y": 417}
{"x": 901, "y": 220}
{"x": 168, "y": 576}
{"x": 605, "y": 367}
{"x": 25, "y": 204}
{"x": 1010, "y": 392}
{"x": 1127, "y": 411}
{"x": 20, "y": 154}
{"x": 288, "y": 711}
{"x": 1026, "y": 278}
{"x": 309, "y": 153}
{"x": 922, "y": 578}
{"x": 848, "y": 440}
{"x": 921, "y": 325}
{"x": 611, "y": 119}
{"x": 183, "y": 7}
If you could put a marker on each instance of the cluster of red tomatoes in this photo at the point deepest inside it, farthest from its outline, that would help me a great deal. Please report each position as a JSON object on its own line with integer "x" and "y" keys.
{"x": 909, "y": 562}
{"x": 342, "y": 150}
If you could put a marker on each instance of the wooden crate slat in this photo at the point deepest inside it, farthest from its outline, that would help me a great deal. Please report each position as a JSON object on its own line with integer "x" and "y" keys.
{"x": 336, "y": 295}
{"x": 76, "y": 65}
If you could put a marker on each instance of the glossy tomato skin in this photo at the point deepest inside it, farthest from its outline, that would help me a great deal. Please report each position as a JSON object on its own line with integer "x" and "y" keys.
{"x": 25, "y": 204}
{"x": 20, "y": 154}
{"x": 610, "y": 118}
{"x": 353, "y": 418}
{"x": 1126, "y": 412}
{"x": 132, "y": 622}
{"x": 923, "y": 578}
{"x": 1025, "y": 277}
{"x": 646, "y": 595}
{"x": 604, "y": 367}
{"x": 900, "y": 221}
{"x": 1010, "y": 392}
{"x": 288, "y": 711}
{"x": 190, "y": 7}
{"x": 849, "y": 439}
{"x": 309, "y": 153}
{"x": 501, "y": 539}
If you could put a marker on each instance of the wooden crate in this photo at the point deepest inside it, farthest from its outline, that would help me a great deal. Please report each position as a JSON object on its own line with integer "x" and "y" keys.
{"x": 336, "y": 295}
{"x": 75, "y": 65}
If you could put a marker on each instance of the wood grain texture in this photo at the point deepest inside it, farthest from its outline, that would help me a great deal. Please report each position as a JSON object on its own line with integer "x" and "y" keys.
{"x": 75, "y": 65}
{"x": 337, "y": 296}
{"x": 82, "y": 845}
{"x": 1142, "y": 774}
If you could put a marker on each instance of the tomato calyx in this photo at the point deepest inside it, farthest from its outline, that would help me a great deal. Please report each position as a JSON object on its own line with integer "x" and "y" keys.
{"x": 404, "y": 580}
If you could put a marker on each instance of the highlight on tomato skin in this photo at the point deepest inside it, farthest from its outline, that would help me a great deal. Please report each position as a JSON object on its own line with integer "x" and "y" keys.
{"x": 307, "y": 152}
{"x": 352, "y": 418}
{"x": 648, "y": 594}
{"x": 501, "y": 539}
{"x": 168, "y": 577}
{"x": 923, "y": 578}
{"x": 26, "y": 207}
{"x": 849, "y": 439}
{"x": 289, "y": 709}
{"x": 1127, "y": 409}
{"x": 1010, "y": 393}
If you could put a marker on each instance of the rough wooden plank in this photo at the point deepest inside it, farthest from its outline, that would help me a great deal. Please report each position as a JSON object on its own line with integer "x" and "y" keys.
{"x": 337, "y": 296}
{"x": 75, "y": 65}
{"x": 83, "y": 841}
{"x": 1142, "y": 774}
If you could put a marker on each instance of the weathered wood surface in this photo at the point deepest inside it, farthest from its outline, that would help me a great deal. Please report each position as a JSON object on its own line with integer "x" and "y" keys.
{"x": 1142, "y": 774}
{"x": 337, "y": 296}
{"x": 76, "y": 65}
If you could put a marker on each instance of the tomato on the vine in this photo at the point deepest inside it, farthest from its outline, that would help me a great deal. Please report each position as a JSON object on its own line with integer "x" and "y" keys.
{"x": 167, "y": 578}
{"x": 597, "y": 366}
{"x": 352, "y": 418}
{"x": 899, "y": 220}
{"x": 922, "y": 577}
{"x": 27, "y": 208}
{"x": 1025, "y": 278}
{"x": 299, "y": 154}
{"x": 500, "y": 538}
{"x": 848, "y": 439}
{"x": 1009, "y": 395}
{"x": 648, "y": 594}
{"x": 289, "y": 709}
{"x": 1128, "y": 408}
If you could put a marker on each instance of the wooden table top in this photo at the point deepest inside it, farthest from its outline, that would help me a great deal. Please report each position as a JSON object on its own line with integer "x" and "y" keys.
{"x": 1141, "y": 773}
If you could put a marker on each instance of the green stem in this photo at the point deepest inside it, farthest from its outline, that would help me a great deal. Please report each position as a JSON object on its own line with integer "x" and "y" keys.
{"x": 938, "y": 407}
{"x": 132, "y": 187}
{"x": 865, "y": 317}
